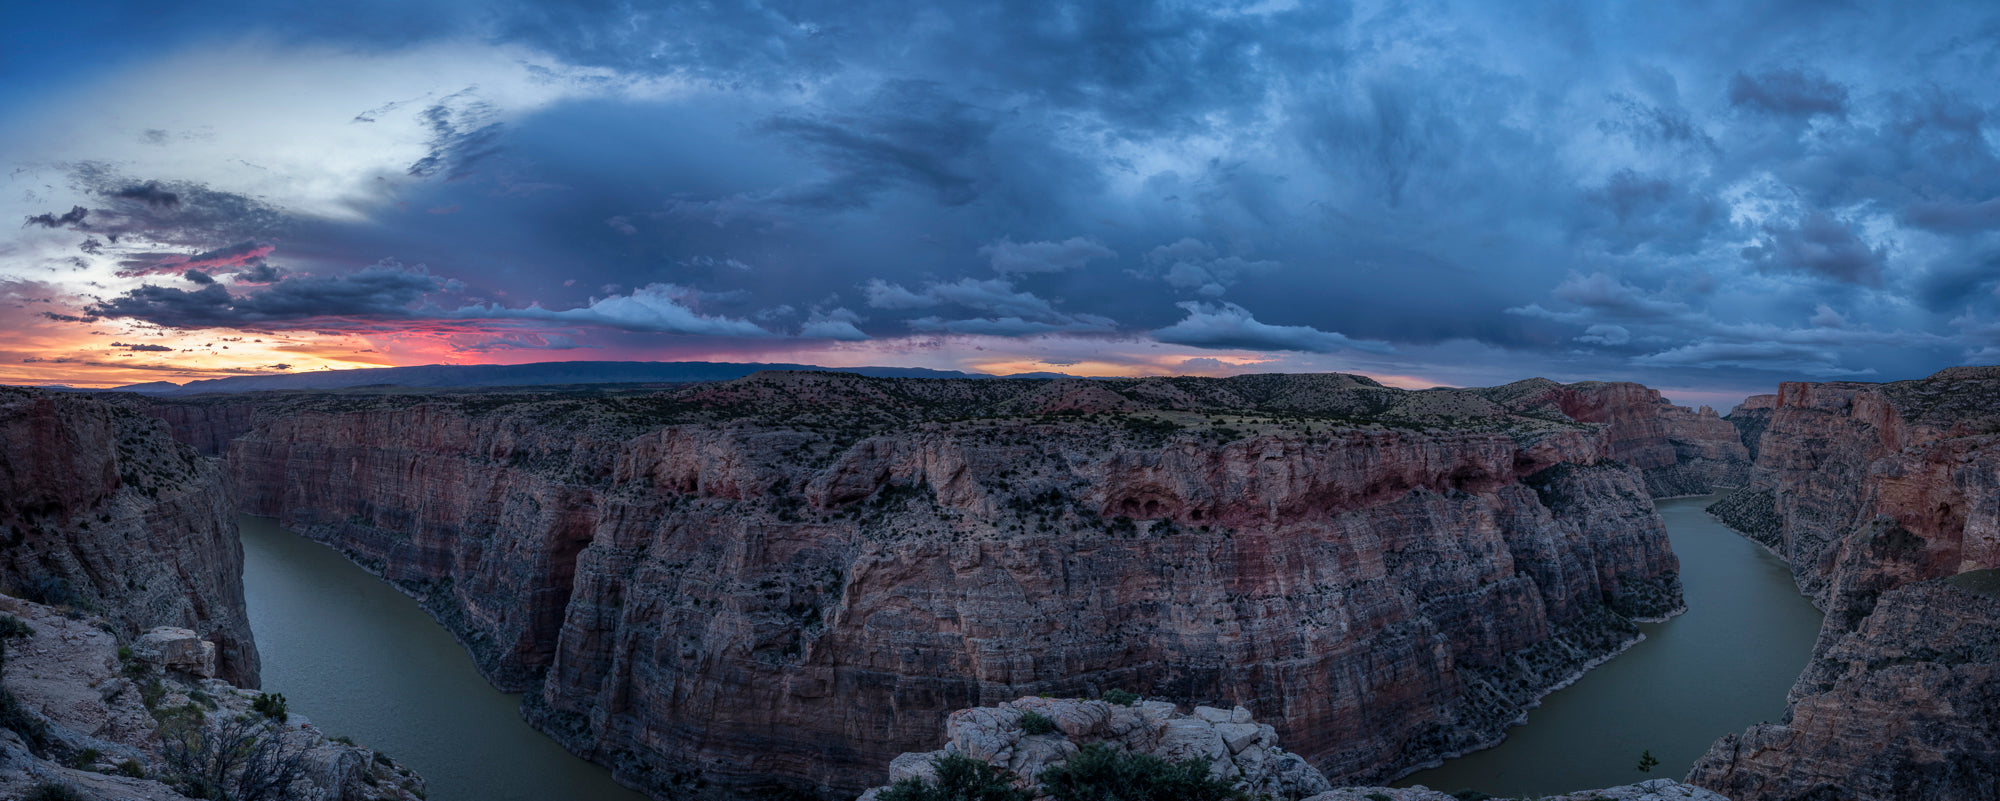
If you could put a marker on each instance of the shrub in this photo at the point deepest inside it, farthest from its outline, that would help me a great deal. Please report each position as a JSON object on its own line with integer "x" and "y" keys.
{"x": 1120, "y": 697}
{"x": 17, "y": 718}
{"x": 12, "y": 628}
{"x": 82, "y": 760}
{"x": 132, "y": 768}
{"x": 270, "y": 705}
{"x": 246, "y": 758}
{"x": 959, "y": 778}
{"x": 53, "y": 791}
{"x": 1033, "y": 722}
{"x": 1098, "y": 772}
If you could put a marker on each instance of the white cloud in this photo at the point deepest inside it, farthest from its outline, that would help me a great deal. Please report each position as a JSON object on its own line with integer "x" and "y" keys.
{"x": 1228, "y": 325}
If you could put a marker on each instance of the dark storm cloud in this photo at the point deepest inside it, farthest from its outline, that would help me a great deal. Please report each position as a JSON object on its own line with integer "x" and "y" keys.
{"x": 378, "y": 293}
{"x": 1819, "y": 244}
{"x": 1792, "y": 92}
{"x": 49, "y": 219}
{"x": 150, "y": 194}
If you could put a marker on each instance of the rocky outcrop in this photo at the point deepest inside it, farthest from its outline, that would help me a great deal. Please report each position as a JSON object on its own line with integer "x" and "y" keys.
{"x": 108, "y": 722}
{"x": 1885, "y": 500}
{"x": 101, "y": 510}
{"x": 793, "y": 577}
{"x": 1235, "y": 747}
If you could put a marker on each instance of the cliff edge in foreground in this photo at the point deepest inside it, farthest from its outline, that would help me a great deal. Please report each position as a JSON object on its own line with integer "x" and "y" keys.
{"x": 1052, "y": 749}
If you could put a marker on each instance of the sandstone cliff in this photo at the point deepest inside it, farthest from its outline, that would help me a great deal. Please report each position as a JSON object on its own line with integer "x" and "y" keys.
{"x": 102, "y": 510}
{"x": 148, "y": 721}
{"x": 1885, "y": 499}
{"x": 792, "y": 577}
{"x": 1681, "y": 451}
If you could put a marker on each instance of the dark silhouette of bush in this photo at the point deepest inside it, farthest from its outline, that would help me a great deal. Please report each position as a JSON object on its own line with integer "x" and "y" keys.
{"x": 1033, "y": 722}
{"x": 1120, "y": 697}
{"x": 270, "y": 705}
{"x": 959, "y": 778}
{"x": 1098, "y": 772}
{"x": 52, "y": 791}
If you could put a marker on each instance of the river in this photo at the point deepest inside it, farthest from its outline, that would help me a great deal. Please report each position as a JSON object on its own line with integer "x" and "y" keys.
{"x": 1723, "y": 666}
{"x": 360, "y": 659}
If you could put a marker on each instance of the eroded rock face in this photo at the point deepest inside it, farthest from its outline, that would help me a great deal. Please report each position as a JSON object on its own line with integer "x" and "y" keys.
{"x": 793, "y": 577}
{"x": 100, "y": 508}
{"x": 106, "y": 721}
{"x": 1885, "y": 499}
{"x": 1681, "y": 451}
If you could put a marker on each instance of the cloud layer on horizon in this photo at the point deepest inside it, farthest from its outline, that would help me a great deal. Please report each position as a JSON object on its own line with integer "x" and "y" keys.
{"x": 1725, "y": 197}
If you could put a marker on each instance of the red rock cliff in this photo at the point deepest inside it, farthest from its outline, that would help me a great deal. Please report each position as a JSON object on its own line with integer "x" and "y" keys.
{"x": 1885, "y": 499}
{"x": 792, "y": 578}
{"x": 101, "y": 509}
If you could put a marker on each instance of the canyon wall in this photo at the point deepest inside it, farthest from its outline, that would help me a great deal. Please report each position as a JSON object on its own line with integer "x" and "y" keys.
{"x": 1680, "y": 451}
{"x": 791, "y": 578}
{"x": 102, "y": 510}
{"x": 1885, "y": 500}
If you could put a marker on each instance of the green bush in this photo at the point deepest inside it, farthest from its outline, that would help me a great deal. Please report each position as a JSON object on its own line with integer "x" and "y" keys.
{"x": 53, "y": 791}
{"x": 1098, "y": 772}
{"x": 15, "y": 717}
{"x": 132, "y": 768}
{"x": 270, "y": 705}
{"x": 1120, "y": 697}
{"x": 960, "y": 778}
{"x": 1033, "y": 722}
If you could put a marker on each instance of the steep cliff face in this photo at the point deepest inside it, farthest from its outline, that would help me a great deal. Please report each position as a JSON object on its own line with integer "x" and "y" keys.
{"x": 791, "y": 578}
{"x": 101, "y": 509}
{"x": 1751, "y": 418}
{"x": 1885, "y": 499}
{"x": 1680, "y": 451}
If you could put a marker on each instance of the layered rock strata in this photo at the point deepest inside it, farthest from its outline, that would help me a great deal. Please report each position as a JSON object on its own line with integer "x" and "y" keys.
{"x": 793, "y": 577}
{"x": 102, "y": 510}
{"x": 1680, "y": 451}
{"x": 83, "y": 714}
{"x": 1885, "y": 499}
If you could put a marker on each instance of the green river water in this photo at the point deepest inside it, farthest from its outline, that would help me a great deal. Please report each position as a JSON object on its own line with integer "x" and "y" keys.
{"x": 1723, "y": 666}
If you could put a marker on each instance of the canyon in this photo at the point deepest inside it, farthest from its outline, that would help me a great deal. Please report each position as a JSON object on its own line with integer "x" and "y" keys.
{"x": 784, "y": 581}
{"x": 1885, "y": 500}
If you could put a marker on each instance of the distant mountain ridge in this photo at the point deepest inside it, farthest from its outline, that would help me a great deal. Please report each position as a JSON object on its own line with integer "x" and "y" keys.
{"x": 523, "y": 375}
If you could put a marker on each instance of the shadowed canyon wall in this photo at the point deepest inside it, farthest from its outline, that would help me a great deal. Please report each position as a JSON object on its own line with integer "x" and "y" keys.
{"x": 794, "y": 576}
{"x": 101, "y": 509}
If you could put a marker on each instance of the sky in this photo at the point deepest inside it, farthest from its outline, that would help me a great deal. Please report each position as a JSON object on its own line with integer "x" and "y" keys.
{"x": 1708, "y": 198}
